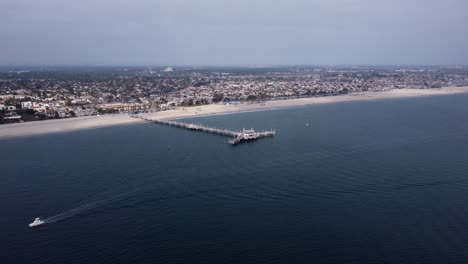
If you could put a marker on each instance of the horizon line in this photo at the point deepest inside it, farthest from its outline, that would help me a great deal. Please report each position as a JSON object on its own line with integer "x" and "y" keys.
{"x": 238, "y": 65}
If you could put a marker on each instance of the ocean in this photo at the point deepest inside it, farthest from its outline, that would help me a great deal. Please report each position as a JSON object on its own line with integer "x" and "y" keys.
{"x": 359, "y": 182}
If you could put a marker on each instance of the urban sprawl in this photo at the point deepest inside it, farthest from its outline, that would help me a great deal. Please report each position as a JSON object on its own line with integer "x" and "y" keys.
{"x": 30, "y": 94}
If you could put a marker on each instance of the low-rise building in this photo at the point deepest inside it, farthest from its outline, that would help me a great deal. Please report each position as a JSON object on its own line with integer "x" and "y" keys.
{"x": 9, "y": 108}
{"x": 12, "y": 117}
{"x": 85, "y": 112}
{"x": 27, "y": 105}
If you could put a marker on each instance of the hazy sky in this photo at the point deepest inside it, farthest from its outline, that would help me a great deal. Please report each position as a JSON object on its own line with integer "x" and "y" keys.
{"x": 233, "y": 32}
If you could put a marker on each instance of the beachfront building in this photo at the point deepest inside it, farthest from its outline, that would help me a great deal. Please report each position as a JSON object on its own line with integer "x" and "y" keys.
{"x": 26, "y": 105}
{"x": 85, "y": 111}
{"x": 9, "y": 108}
{"x": 12, "y": 117}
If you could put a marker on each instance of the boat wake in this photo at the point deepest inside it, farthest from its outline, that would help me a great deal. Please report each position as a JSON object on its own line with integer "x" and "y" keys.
{"x": 85, "y": 208}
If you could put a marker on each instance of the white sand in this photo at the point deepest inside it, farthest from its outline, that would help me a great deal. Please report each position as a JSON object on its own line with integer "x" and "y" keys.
{"x": 63, "y": 125}
{"x": 219, "y": 109}
{"x": 73, "y": 124}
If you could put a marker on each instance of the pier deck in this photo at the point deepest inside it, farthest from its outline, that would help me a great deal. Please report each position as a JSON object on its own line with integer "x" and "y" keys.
{"x": 236, "y": 137}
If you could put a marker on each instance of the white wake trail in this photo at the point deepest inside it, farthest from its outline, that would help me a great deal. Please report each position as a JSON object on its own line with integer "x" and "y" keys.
{"x": 85, "y": 208}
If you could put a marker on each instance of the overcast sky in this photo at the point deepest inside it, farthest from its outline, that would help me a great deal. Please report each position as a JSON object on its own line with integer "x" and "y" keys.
{"x": 233, "y": 32}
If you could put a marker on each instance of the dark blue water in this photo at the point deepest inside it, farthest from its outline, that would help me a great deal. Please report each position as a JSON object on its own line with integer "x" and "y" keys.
{"x": 368, "y": 182}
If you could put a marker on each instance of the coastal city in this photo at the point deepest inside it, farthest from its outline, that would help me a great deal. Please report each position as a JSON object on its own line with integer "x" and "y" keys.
{"x": 216, "y": 131}
{"x": 40, "y": 93}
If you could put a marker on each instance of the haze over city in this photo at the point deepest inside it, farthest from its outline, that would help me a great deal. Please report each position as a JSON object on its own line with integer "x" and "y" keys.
{"x": 243, "y": 32}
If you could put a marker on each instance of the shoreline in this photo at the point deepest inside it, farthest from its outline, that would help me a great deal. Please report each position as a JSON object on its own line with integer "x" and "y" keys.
{"x": 53, "y": 126}
{"x": 221, "y": 109}
{"x": 25, "y": 129}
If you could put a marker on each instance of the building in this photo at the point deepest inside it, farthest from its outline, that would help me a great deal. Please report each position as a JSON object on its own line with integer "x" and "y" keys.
{"x": 26, "y": 105}
{"x": 9, "y": 108}
{"x": 62, "y": 113}
{"x": 12, "y": 117}
{"x": 85, "y": 112}
{"x": 115, "y": 107}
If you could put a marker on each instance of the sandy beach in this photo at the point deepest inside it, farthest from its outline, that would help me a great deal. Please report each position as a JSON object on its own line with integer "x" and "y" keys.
{"x": 221, "y": 109}
{"x": 63, "y": 125}
{"x": 80, "y": 123}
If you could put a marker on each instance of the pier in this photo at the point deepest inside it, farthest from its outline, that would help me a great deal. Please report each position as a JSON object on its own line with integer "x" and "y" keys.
{"x": 236, "y": 137}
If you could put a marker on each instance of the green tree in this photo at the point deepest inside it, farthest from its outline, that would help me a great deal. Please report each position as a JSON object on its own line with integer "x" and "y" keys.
{"x": 218, "y": 97}
{"x": 68, "y": 102}
{"x": 251, "y": 97}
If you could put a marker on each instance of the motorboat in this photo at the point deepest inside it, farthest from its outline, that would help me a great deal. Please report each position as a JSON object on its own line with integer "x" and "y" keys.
{"x": 37, "y": 222}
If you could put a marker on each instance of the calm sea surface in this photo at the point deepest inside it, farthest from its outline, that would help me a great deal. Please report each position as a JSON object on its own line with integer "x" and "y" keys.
{"x": 367, "y": 182}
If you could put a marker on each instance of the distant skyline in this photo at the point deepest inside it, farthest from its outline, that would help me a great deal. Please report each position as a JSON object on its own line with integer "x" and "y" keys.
{"x": 242, "y": 32}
